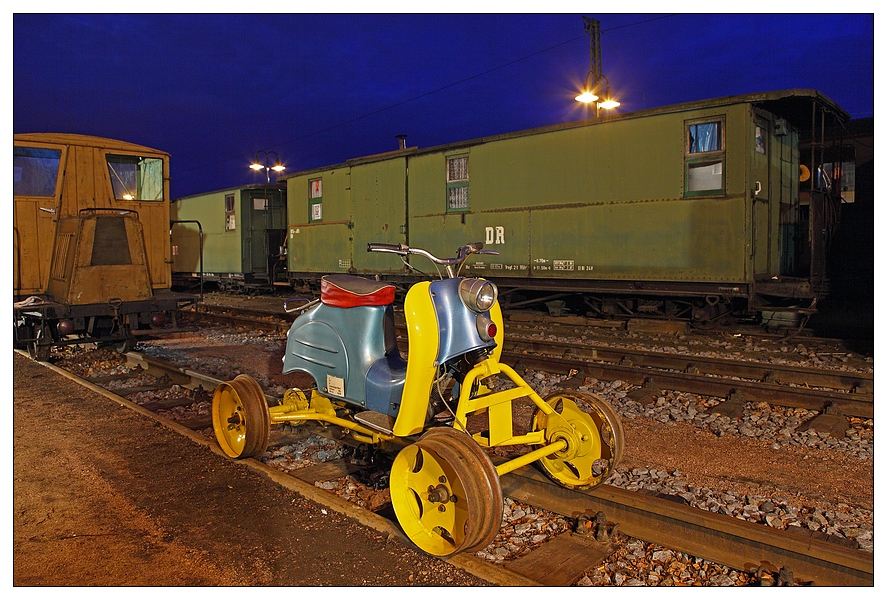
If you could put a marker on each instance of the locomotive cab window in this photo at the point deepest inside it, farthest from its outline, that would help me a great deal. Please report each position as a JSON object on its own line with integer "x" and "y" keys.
{"x": 35, "y": 171}
{"x": 704, "y": 157}
{"x": 457, "y": 184}
{"x": 136, "y": 177}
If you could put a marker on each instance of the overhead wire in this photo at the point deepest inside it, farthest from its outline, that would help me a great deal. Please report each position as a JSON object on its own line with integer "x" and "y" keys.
{"x": 448, "y": 86}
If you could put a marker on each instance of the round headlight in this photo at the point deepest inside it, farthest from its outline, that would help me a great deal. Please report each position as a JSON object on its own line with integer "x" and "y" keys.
{"x": 478, "y": 295}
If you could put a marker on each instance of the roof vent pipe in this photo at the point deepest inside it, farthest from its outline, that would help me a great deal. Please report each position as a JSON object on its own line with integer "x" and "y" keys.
{"x": 401, "y": 141}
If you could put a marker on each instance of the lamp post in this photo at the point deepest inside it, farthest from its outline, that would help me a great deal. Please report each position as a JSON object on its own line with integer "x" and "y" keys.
{"x": 592, "y": 80}
{"x": 258, "y": 166}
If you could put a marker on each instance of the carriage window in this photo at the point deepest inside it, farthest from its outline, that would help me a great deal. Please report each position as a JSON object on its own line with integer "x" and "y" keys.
{"x": 844, "y": 173}
{"x": 315, "y": 200}
{"x": 457, "y": 184}
{"x": 230, "y": 218}
{"x": 135, "y": 177}
{"x": 704, "y": 157}
{"x": 760, "y": 140}
{"x": 35, "y": 171}
{"x": 704, "y": 137}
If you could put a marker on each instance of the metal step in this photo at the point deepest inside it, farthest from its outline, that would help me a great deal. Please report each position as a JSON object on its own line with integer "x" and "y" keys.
{"x": 376, "y": 420}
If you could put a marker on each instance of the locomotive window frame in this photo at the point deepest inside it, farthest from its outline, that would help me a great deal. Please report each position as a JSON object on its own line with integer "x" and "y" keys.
{"x": 35, "y": 171}
{"x": 705, "y": 157}
{"x": 457, "y": 194}
{"x": 136, "y": 178}
{"x": 315, "y": 200}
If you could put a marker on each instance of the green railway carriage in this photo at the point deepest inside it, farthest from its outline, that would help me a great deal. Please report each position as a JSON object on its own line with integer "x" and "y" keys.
{"x": 693, "y": 209}
{"x": 334, "y": 212}
{"x": 232, "y": 238}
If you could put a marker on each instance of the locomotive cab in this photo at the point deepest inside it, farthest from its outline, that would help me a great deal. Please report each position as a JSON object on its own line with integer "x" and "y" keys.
{"x": 91, "y": 255}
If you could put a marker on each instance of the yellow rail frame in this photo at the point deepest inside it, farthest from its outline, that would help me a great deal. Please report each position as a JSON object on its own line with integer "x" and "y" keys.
{"x": 296, "y": 407}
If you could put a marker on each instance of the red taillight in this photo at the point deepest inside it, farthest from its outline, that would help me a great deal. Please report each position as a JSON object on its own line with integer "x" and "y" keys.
{"x": 486, "y": 328}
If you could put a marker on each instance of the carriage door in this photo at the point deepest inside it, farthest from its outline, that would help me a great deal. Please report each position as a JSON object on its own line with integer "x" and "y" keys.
{"x": 36, "y": 196}
{"x": 255, "y": 251}
{"x": 765, "y": 206}
{"x": 266, "y": 227}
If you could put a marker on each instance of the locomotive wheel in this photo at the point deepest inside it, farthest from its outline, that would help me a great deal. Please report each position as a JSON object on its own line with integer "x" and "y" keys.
{"x": 39, "y": 349}
{"x": 241, "y": 419}
{"x": 124, "y": 346}
{"x": 593, "y": 435}
{"x": 446, "y": 493}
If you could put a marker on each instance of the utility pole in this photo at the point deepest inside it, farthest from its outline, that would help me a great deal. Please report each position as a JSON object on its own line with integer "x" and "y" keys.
{"x": 593, "y": 92}
{"x": 593, "y": 30}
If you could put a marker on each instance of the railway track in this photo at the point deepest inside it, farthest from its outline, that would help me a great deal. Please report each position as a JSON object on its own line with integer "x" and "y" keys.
{"x": 737, "y": 381}
{"x": 833, "y": 393}
{"x": 738, "y": 544}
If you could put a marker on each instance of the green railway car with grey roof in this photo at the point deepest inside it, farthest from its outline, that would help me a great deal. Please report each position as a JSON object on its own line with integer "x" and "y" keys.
{"x": 694, "y": 210}
{"x": 231, "y": 239}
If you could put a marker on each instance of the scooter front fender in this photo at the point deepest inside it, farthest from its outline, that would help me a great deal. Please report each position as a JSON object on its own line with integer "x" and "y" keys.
{"x": 423, "y": 336}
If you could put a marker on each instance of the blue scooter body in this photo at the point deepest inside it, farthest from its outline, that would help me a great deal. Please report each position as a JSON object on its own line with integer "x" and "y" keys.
{"x": 352, "y": 353}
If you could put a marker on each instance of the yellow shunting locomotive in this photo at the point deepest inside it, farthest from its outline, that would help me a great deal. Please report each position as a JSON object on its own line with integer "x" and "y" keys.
{"x": 91, "y": 251}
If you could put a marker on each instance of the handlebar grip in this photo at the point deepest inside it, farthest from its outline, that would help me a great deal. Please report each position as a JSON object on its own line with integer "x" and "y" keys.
{"x": 374, "y": 247}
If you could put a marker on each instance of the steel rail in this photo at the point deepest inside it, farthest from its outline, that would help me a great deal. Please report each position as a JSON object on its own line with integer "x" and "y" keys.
{"x": 260, "y": 318}
{"x": 859, "y": 405}
{"x": 718, "y": 538}
{"x": 846, "y": 381}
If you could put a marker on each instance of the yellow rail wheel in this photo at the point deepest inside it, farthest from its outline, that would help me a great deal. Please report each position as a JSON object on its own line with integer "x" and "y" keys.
{"x": 490, "y": 521}
{"x": 446, "y": 493}
{"x": 593, "y": 436}
{"x": 241, "y": 420}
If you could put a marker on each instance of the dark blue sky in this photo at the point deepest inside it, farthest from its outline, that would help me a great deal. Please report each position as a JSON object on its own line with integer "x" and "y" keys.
{"x": 212, "y": 89}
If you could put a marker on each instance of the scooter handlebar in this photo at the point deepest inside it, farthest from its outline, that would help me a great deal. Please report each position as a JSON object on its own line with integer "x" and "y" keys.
{"x": 404, "y": 250}
{"x": 395, "y": 248}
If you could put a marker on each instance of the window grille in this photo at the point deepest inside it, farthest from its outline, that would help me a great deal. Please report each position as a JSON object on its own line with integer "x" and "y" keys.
{"x": 457, "y": 169}
{"x": 457, "y": 184}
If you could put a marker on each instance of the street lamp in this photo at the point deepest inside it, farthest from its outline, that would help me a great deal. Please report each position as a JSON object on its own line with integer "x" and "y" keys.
{"x": 258, "y": 166}
{"x": 590, "y": 94}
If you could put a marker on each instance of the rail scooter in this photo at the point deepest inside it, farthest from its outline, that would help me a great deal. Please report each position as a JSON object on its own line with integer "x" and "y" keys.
{"x": 444, "y": 486}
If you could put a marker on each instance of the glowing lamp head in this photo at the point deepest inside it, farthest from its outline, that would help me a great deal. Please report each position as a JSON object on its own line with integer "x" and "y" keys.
{"x": 587, "y": 97}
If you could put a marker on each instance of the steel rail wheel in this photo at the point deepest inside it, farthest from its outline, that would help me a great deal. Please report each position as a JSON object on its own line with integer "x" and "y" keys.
{"x": 241, "y": 419}
{"x": 491, "y": 521}
{"x": 124, "y": 346}
{"x": 446, "y": 493}
{"x": 593, "y": 434}
{"x": 38, "y": 349}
